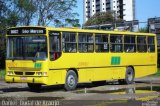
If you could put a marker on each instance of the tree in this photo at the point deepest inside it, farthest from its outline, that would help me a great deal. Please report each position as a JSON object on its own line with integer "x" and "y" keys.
{"x": 72, "y": 22}
{"x": 8, "y": 15}
{"x": 102, "y": 18}
{"x": 41, "y": 12}
{"x": 25, "y": 10}
{"x": 4, "y": 20}
{"x": 55, "y": 11}
{"x": 143, "y": 30}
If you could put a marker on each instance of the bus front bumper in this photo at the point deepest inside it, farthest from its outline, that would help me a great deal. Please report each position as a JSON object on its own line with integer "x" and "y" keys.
{"x": 26, "y": 79}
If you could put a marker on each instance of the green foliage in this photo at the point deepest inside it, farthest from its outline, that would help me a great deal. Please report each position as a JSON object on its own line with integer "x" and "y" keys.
{"x": 72, "y": 22}
{"x": 25, "y": 10}
{"x": 6, "y": 16}
{"x": 56, "y": 12}
{"x": 158, "y": 72}
{"x": 143, "y": 30}
{"x": 2, "y": 73}
{"x": 37, "y": 12}
{"x": 102, "y": 18}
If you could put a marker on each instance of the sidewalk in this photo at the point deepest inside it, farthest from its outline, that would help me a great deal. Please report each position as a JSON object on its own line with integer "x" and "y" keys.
{"x": 148, "y": 79}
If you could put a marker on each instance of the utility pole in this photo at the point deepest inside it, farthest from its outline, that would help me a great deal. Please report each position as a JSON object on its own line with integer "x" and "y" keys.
{"x": 115, "y": 26}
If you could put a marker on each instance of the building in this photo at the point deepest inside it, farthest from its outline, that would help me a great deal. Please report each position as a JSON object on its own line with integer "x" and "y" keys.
{"x": 124, "y": 9}
{"x": 154, "y": 27}
{"x": 132, "y": 26}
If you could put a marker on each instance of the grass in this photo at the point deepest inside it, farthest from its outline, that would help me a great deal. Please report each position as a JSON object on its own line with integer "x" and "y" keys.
{"x": 158, "y": 72}
{"x": 2, "y": 73}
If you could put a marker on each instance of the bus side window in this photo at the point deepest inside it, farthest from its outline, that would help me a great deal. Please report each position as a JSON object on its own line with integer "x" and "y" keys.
{"x": 102, "y": 44}
{"x": 116, "y": 43}
{"x": 151, "y": 44}
{"x": 85, "y": 42}
{"x": 69, "y": 42}
{"x": 129, "y": 43}
{"x": 55, "y": 46}
{"x": 141, "y": 44}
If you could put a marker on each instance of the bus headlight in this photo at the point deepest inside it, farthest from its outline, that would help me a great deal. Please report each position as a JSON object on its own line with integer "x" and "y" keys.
{"x": 9, "y": 73}
{"x": 41, "y": 73}
{"x": 44, "y": 73}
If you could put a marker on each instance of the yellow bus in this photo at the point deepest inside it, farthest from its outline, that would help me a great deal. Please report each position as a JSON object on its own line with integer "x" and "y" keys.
{"x": 68, "y": 56}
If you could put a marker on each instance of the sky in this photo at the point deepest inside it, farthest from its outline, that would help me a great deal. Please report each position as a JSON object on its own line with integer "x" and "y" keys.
{"x": 144, "y": 9}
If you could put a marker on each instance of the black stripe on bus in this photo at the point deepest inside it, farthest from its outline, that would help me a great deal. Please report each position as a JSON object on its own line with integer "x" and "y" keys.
{"x": 104, "y": 67}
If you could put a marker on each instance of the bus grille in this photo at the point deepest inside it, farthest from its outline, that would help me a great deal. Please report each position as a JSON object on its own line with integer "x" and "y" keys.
{"x": 24, "y": 68}
{"x": 29, "y": 73}
{"x": 24, "y": 73}
{"x": 18, "y": 73}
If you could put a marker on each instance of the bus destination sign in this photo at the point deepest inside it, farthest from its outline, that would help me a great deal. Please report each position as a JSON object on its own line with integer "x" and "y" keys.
{"x": 26, "y": 30}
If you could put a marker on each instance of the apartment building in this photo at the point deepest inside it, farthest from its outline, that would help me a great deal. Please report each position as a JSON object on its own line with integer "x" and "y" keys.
{"x": 124, "y": 9}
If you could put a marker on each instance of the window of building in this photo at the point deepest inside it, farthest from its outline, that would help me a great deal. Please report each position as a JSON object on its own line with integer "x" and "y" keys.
{"x": 85, "y": 42}
{"x": 141, "y": 44}
{"x": 69, "y": 42}
{"x": 101, "y": 41}
{"x": 129, "y": 43}
{"x": 116, "y": 43}
{"x": 151, "y": 44}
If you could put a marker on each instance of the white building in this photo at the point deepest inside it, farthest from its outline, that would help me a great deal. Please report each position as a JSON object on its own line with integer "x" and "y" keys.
{"x": 124, "y": 9}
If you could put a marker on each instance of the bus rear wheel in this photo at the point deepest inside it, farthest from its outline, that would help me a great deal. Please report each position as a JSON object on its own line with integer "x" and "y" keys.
{"x": 34, "y": 87}
{"x": 129, "y": 77}
{"x": 71, "y": 81}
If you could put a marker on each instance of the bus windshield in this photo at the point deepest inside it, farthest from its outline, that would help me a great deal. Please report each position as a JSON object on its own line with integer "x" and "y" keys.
{"x": 27, "y": 48}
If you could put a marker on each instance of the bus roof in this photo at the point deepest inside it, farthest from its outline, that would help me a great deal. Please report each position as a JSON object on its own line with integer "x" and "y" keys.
{"x": 85, "y": 30}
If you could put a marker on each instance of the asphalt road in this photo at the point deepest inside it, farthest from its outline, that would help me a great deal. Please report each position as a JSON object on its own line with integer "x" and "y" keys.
{"x": 144, "y": 92}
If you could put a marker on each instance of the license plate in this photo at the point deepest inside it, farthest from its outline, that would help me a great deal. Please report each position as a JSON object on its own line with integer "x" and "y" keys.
{"x": 23, "y": 78}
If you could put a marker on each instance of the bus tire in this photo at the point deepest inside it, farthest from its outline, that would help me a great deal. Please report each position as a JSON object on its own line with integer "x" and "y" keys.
{"x": 34, "y": 87}
{"x": 71, "y": 81}
{"x": 129, "y": 77}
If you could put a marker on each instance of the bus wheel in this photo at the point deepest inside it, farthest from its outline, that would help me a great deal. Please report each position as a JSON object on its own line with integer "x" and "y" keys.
{"x": 34, "y": 87}
{"x": 129, "y": 78}
{"x": 71, "y": 81}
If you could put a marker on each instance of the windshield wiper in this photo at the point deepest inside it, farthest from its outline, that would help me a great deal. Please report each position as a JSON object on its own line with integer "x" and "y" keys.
{"x": 34, "y": 59}
{"x": 16, "y": 58}
{"x": 30, "y": 58}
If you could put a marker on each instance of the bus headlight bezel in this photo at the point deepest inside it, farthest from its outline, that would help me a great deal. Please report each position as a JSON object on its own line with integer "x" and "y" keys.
{"x": 41, "y": 73}
{"x": 10, "y": 73}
